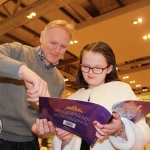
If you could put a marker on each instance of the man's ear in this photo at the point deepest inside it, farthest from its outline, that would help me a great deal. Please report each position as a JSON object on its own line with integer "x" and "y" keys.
{"x": 109, "y": 69}
{"x": 41, "y": 36}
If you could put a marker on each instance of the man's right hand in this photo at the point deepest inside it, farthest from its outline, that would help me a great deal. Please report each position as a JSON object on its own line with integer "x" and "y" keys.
{"x": 43, "y": 128}
{"x": 35, "y": 85}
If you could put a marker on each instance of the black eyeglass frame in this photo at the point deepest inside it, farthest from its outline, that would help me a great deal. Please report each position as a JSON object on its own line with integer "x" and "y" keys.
{"x": 92, "y": 69}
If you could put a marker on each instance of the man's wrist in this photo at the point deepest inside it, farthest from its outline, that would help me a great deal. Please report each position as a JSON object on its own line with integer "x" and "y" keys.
{"x": 20, "y": 71}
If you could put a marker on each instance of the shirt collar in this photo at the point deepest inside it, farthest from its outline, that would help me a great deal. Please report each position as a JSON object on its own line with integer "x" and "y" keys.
{"x": 41, "y": 56}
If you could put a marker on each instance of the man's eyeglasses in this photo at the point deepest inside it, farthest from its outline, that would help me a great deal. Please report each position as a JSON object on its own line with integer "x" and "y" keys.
{"x": 96, "y": 70}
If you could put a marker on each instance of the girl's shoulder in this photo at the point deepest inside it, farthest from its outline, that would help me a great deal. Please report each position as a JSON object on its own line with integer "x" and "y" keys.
{"x": 115, "y": 85}
{"x": 118, "y": 83}
{"x": 81, "y": 94}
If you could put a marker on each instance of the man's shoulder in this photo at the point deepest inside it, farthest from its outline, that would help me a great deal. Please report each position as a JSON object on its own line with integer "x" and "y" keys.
{"x": 22, "y": 46}
{"x": 58, "y": 73}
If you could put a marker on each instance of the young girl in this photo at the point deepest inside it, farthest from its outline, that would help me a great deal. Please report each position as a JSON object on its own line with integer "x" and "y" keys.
{"x": 99, "y": 83}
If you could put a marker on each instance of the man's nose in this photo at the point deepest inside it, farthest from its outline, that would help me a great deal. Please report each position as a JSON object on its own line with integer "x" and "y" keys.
{"x": 58, "y": 48}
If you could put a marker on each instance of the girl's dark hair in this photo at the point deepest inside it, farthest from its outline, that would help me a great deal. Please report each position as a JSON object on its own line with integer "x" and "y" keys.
{"x": 107, "y": 52}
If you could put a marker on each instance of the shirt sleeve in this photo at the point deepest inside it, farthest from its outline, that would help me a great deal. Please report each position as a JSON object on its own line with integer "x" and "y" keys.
{"x": 9, "y": 65}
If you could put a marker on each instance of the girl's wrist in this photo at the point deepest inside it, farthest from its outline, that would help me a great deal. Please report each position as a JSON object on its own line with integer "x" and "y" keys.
{"x": 121, "y": 131}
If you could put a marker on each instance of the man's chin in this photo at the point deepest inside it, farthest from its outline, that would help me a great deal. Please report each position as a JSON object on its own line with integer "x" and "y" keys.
{"x": 51, "y": 61}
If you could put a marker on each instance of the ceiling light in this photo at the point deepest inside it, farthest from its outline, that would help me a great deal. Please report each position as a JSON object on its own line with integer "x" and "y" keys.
{"x": 71, "y": 42}
{"x": 145, "y": 37}
{"x": 66, "y": 79}
{"x": 135, "y": 22}
{"x": 75, "y": 41}
{"x": 29, "y": 17}
{"x": 132, "y": 81}
{"x": 33, "y": 14}
{"x": 68, "y": 93}
{"x": 144, "y": 88}
{"x": 138, "y": 85}
{"x": 125, "y": 77}
{"x": 140, "y": 20}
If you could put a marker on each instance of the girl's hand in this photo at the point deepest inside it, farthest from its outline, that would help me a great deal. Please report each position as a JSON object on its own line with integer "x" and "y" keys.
{"x": 109, "y": 129}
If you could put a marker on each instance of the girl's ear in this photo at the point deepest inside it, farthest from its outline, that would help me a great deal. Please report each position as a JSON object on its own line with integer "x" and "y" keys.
{"x": 109, "y": 69}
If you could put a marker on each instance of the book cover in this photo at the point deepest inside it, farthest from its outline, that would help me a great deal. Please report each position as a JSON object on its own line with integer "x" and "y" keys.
{"x": 74, "y": 116}
{"x": 77, "y": 116}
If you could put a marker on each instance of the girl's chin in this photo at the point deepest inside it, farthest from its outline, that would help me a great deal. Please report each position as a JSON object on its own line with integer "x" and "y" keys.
{"x": 92, "y": 86}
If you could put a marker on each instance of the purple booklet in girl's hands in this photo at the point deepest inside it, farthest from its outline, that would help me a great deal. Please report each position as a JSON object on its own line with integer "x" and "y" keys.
{"x": 77, "y": 116}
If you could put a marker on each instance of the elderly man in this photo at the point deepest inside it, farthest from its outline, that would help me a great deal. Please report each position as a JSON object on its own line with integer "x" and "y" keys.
{"x": 25, "y": 74}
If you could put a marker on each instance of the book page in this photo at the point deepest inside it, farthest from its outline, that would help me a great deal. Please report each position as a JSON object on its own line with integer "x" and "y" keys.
{"x": 133, "y": 110}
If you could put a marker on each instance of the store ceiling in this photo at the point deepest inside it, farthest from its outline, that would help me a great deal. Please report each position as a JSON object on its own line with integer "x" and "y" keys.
{"x": 109, "y": 21}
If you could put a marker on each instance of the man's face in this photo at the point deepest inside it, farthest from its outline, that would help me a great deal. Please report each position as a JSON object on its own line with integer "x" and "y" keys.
{"x": 54, "y": 43}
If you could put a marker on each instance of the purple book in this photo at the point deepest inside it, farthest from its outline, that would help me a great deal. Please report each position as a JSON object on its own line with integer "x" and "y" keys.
{"x": 74, "y": 116}
{"x": 77, "y": 116}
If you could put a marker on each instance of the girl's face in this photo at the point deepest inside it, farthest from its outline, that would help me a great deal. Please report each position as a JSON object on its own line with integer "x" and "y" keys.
{"x": 96, "y": 60}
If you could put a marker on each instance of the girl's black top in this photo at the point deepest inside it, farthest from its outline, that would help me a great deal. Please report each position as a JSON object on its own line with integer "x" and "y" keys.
{"x": 84, "y": 145}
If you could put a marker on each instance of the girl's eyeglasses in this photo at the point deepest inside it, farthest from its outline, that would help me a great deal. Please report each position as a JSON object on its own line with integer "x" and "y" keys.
{"x": 96, "y": 70}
